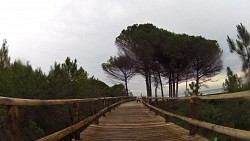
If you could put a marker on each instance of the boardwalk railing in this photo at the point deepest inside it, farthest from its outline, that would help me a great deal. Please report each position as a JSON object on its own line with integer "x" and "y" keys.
{"x": 13, "y": 104}
{"x": 236, "y": 133}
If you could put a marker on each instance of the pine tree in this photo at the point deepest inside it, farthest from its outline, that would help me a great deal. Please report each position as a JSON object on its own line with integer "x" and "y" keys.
{"x": 4, "y": 55}
{"x": 233, "y": 83}
{"x": 242, "y": 48}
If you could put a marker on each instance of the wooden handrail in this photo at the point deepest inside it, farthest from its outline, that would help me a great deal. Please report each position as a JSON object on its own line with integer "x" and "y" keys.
{"x": 84, "y": 123}
{"x": 39, "y": 102}
{"x": 237, "y": 133}
{"x": 12, "y": 103}
{"x": 13, "y": 112}
{"x": 244, "y": 94}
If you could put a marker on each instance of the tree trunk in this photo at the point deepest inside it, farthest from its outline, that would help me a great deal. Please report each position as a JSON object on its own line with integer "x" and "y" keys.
{"x": 170, "y": 85}
{"x": 150, "y": 82}
{"x": 197, "y": 83}
{"x": 156, "y": 91}
{"x": 147, "y": 85}
{"x": 186, "y": 86}
{"x": 126, "y": 86}
{"x": 173, "y": 85}
{"x": 177, "y": 84}
{"x": 159, "y": 75}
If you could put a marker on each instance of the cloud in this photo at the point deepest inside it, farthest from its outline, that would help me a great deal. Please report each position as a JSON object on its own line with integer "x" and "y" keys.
{"x": 45, "y": 31}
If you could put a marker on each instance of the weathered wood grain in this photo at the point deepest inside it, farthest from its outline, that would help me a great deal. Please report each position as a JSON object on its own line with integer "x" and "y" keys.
{"x": 133, "y": 121}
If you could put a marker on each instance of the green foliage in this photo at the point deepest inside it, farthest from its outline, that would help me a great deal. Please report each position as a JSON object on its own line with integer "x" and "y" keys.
{"x": 117, "y": 90}
{"x": 195, "y": 89}
{"x": 242, "y": 47}
{"x": 3, "y": 126}
{"x": 64, "y": 80}
{"x": 232, "y": 113}
{"x": 4, "y": 55}
{"x": 32, "y": 132}
{"x": 233, "y": 83}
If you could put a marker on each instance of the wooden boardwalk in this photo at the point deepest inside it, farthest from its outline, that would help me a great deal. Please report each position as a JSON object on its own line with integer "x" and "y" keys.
{"x": 133, "y": 121}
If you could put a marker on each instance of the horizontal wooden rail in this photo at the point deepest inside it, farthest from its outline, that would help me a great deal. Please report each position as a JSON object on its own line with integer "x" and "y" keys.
{"x": 13, "y": 111}
{"x": 86, "y": 122}
{"x": 244, "y": 94}
{"x": 236, "y": 133}
{"x": 39, "y": 102}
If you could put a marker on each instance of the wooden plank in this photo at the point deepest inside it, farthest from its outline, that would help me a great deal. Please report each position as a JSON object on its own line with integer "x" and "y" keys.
{"x": 132, "y": 121}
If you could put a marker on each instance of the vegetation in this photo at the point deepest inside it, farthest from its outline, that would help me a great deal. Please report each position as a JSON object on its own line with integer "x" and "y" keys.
{"x": 4, "y": 58}
{"x": 158, "y": 53}
{"x": 227, "y": 112}
{"x": 120, "y": 68}
{"x": 65, "y": 80}
{"x": 144, "y": 49}
{"x": 233, "y": 83}
{"x": 195, "y": 89}
{"x": 242, "y": 48}
{"x": 137, "y": 42}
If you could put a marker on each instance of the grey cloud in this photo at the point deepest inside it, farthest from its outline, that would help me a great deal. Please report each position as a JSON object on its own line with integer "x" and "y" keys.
{"x": 86, "y": 30}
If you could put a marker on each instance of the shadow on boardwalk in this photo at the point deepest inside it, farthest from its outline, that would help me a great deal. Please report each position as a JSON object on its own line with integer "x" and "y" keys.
{"x": 132, "y": 121}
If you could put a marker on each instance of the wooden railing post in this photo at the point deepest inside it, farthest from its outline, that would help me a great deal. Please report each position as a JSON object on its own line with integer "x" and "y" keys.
{"x": 193, "y": 114}
{"x": 13, "y": 122}
{"x": 103, "y": 105}
{"x": 116, "y": 101}
{"x": 119, "y": 100}
{"x": 112, "y": 102}
{"x": 166, "y": 103}
{"x": 96, "y": 110}
{"x": 166, "y": 117}
{"x": 76, "y": 119}
{"x": 156, "y": 101}
{"x": 109, "y": 103}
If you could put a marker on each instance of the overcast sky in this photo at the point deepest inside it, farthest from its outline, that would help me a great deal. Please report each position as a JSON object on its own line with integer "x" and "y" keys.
{"x": 45, "y": 31}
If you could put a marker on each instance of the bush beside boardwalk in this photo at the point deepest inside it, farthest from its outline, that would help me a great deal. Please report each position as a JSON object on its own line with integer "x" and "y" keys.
{"x": 227, "y": 112}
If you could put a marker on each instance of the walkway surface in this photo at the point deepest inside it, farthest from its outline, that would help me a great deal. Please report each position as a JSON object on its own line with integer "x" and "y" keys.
{"x": 133, "y": 122}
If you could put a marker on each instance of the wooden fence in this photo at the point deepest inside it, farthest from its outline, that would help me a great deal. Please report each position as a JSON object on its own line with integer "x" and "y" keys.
{"x": 13, "y": 104}
{"x": 236, "y": 133}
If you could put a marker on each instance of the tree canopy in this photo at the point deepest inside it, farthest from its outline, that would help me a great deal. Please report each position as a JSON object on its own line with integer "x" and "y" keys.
{"x": 137, "y": 42}
{"x": 120, "y": 68}
{"x": 159, "y": 53}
